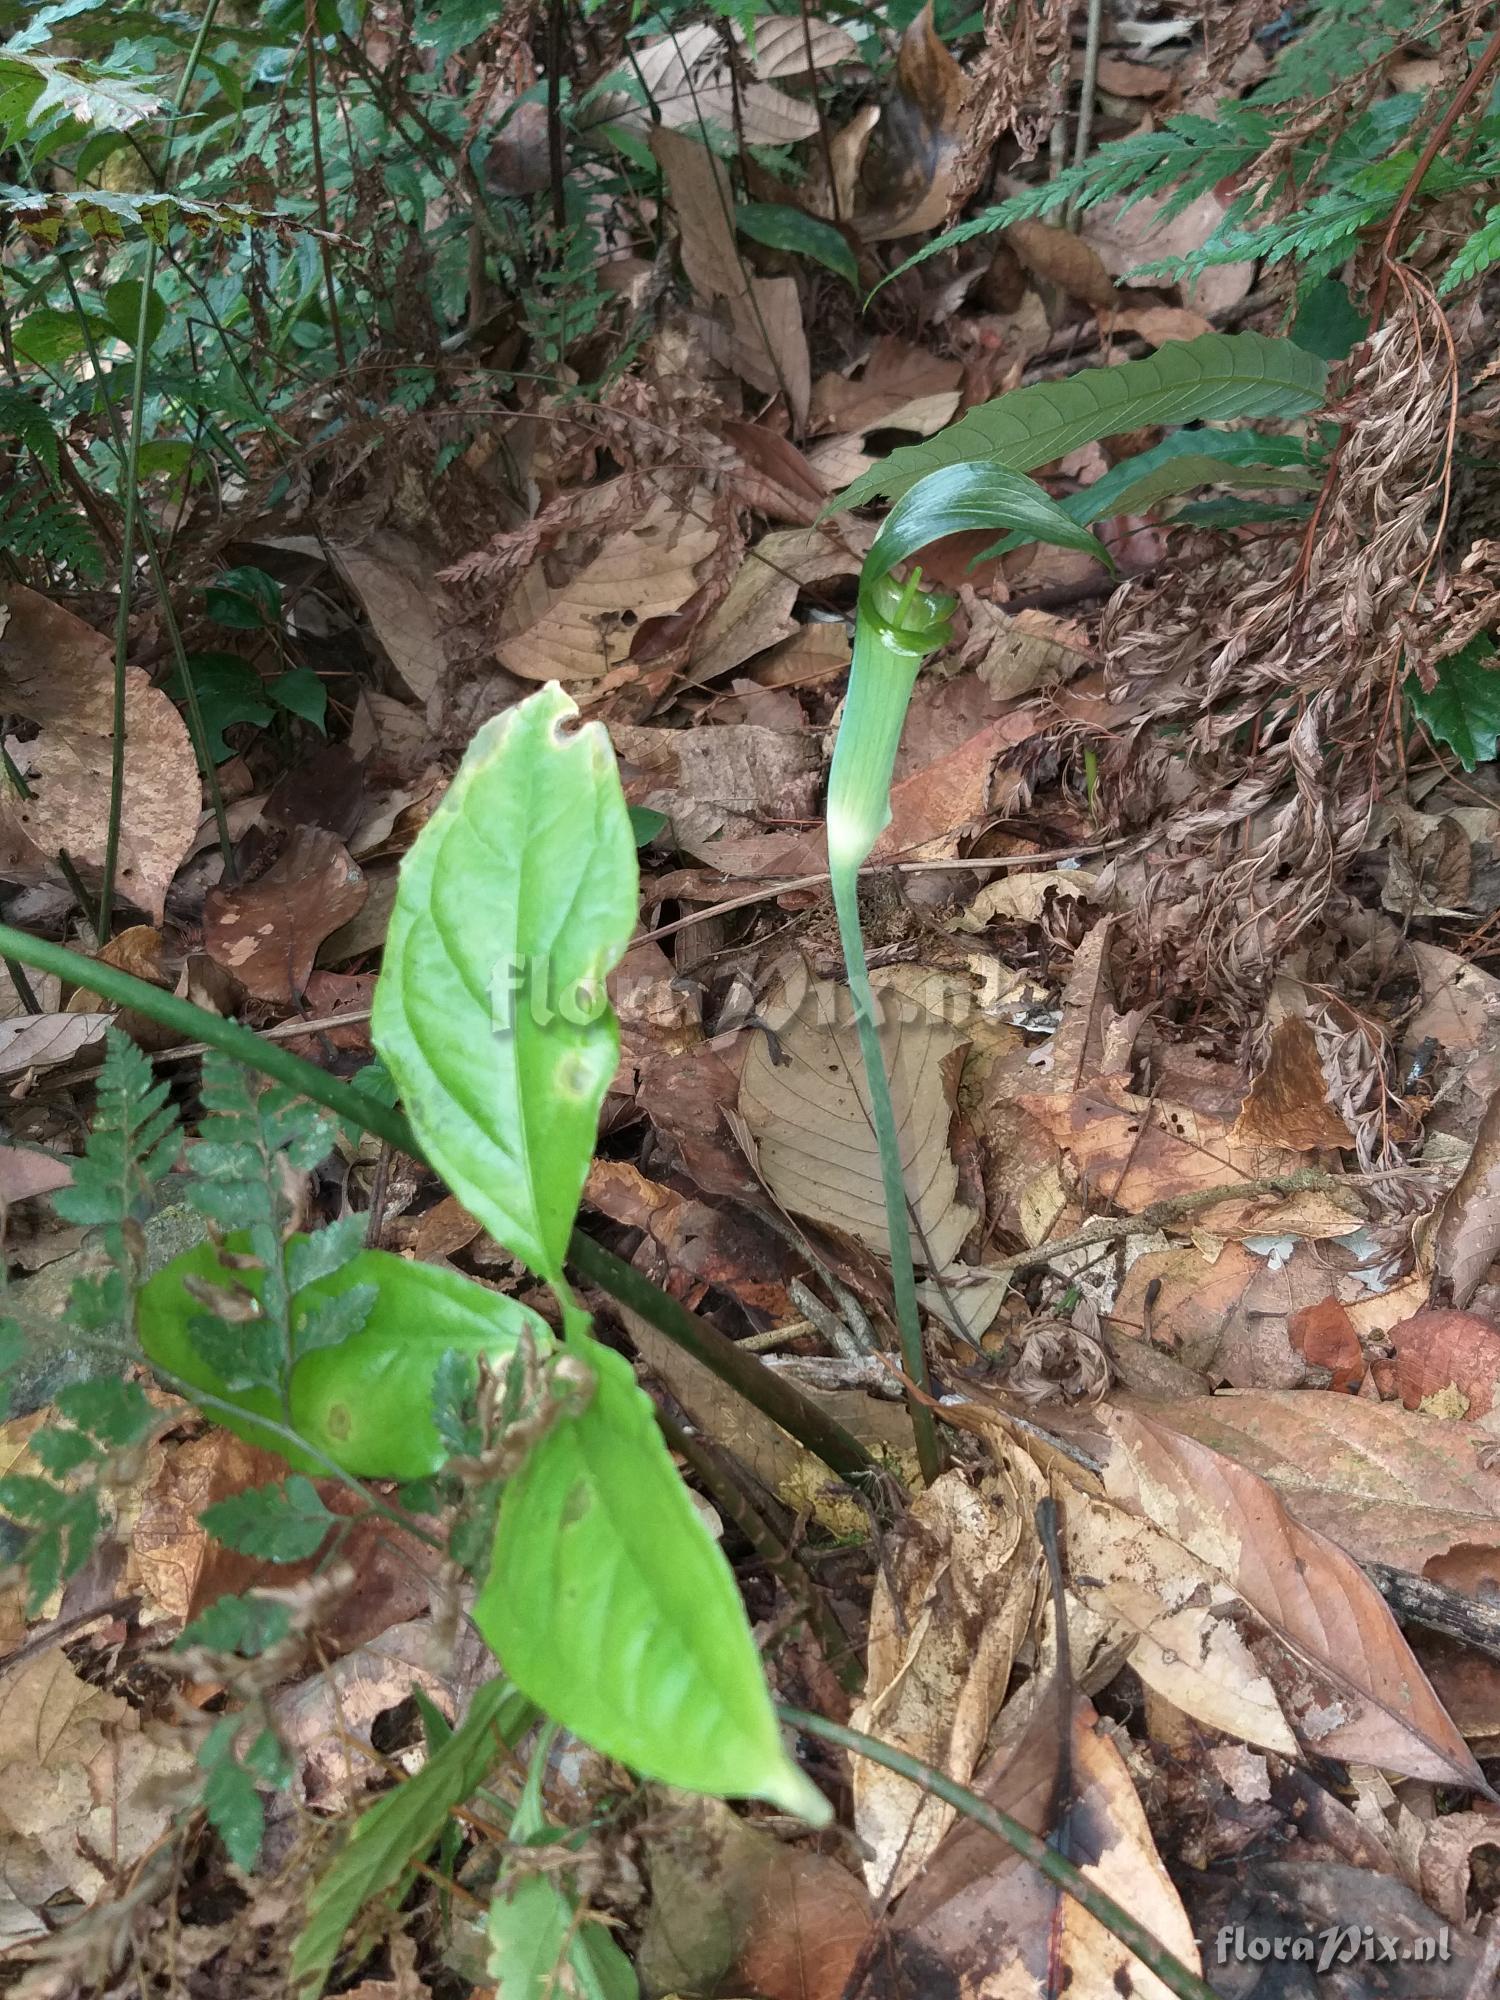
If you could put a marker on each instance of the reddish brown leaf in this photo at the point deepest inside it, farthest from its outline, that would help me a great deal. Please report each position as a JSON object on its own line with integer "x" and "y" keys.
{"x": 1324, "y": 1336}
{"x": 1467, "y": 1237}
{"x": 1288, "y": 1102}
{"x": 267, "y": 932}
{"x": 1439, "y": 1352}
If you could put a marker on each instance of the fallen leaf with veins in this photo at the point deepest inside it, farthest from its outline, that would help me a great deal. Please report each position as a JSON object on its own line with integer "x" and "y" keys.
{"x": 1365, "y": 1700}
{"x": 59, "y": 673}
{"x": 1288, "y": 1102}
{"x": 981, "y": 1920}
{"x": 1442, "y": 1351}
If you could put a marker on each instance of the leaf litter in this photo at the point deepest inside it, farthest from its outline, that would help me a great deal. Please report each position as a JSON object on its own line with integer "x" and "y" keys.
{"x": 1194, "y": 1043}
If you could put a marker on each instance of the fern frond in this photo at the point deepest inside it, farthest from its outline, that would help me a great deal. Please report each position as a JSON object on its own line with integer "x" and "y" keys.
{"x": 134, "y": 1141}
{"x": 1477, "y": 255}
{"x": 49, "y": 531}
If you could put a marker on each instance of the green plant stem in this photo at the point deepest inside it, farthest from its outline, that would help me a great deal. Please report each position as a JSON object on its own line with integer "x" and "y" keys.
{"x": 772, "y": 1394}
{"x": 1173, "y": 1974}
{"x": 132, "y": 500}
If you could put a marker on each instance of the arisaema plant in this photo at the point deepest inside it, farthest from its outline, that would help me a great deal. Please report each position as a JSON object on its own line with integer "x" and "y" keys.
{"x": 973, "y": 476}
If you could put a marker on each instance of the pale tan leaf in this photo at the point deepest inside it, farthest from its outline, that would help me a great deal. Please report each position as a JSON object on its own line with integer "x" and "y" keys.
{"x": 24, "y": 1173}
{"x": 1127, "y": 237}
{"x": 756, "y": 611}
{"x": 581, "y": 630}
{"x": 789, "y": 45}
{"x": 1467, "y": 1239}
{"x": 58, "y": 672}
{"x": 810, "y": 1116}
{"x": 408, "y": 609}
{"x": 40, "y": 1041}
{"x": 1365, "y": 1697}
{"x": 686, "y": 77}
{"x": 1159, "y": 324}
{"x": 73, "y": 1762}
{"x": 812, "y": 654}
{"x": 767, "y": 342}
{"x": 723, "y": 780}
{"x": 981, "y": 1921}
{"x": 953, "y": 1601}
{"x": 1021, "y": 898}
{"x": 901, "y": 386}
{"x": 1179, "y": 1617}
{"x": 46, "y": 989}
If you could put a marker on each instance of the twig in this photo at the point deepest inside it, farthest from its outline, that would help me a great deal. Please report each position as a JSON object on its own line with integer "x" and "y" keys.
{"x": 1086, "y": 97}
{"x": 1110, "y": 1228}
{"x": 1416, "y": 1600}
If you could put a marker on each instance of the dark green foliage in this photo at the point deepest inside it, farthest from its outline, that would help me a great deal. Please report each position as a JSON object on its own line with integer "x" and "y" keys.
{"x": 1463, "y": 708}
{"x": 283, "y": 1523}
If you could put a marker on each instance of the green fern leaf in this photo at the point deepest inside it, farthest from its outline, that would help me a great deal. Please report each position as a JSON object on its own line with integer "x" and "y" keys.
{"x": 1220, "y": 376}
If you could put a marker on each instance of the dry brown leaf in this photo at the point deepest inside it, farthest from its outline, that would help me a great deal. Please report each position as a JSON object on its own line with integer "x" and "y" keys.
{"x": 267, "y": 932}
{"x": 810, "y": 1118}
{"x": 1159, "y": 324}
{"x": 702, "y": 1245}
{"x": 953, "y": 1600}
{"x": 911, "y": 156}
{"x": 409, "y": 611}
{"x": 1135, "y": 1151}
{"x": 1127, "y": 237}
{"x": 1466, "y": 1240}
{"x": 1324, "y": 1335}
{"x": 1288, "y": 1102}
{"x": 933, "y": 807}
{"x": 584, "y": 628}
{"x": 46, "y": 989}
{"x": 1063, "y": 259}
{"x": 810, "y": 655}
{"x": 1440, "y": 1352}
{"x": 724, "y": 780}
{"x": 776, "y": 480}
{"x": 1391, "y": 1485}
{"x": 768, "y": 345}
{"x": 58, "y": 672}
{"x": 1363, "y": 1698}
{"x": 24, "y": 1173}
{"x": 1184, "y": 1625}
{"x": 901, "y": 387}
{"x": 687, "y": 80}
{"x": 1457, "y": 1860}
{"x": 1021, "y": 898}
{"x": 73, "y": 1762}
{"x": 756, "y": 611}
{"x": 1131, "y": 79}
{"x": 982, "y": 1921}
{"x": 735, "y": 1911}
{"x": 785, "y": 46}
{"x": 41, "y": 1041}
{"x": 1014, "y": 652}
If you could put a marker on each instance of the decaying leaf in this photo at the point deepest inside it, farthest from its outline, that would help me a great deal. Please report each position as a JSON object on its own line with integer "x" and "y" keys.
{"x": 733, "y": 1910}
{"x": 59, "y": 673}
{"x": 981, "y": 1920}
{"x": 766, "y": 342}
{"x": 581, "y": 629}
{"x": 756, "y": 610}
{"x": 1467, "y": 1239}
{"x": 41, "y": 1041}
{"x": 267, "y": 932}
{"x": 1364, "y": 1697}
{"x": 1288, "y": 1102}
{"x": 72, "y": 1769}
{"x": 1441, "y": 1356}
{"x": 952, "y": 1604}
{"x": 804, "y": 1101}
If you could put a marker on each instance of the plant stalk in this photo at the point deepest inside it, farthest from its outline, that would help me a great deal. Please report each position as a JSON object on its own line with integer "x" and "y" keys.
{"x": 772, "y": 1394}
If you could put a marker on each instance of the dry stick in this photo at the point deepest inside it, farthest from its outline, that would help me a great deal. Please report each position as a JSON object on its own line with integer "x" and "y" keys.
{"x": 727, "y": 1494}
{"x": 1173, "y": 1974}
{"x": 1093, "y": 34}
{"x": 772, "y": 1394}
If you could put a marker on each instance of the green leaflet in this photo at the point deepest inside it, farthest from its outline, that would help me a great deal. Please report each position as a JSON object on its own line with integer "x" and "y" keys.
{"x": 1219, "y": 376}
{"x": 781, "y": 227}
{"x": 1463, "y": 709}
{"x": 612, "y": 1606}
{"x": 366, "y": 1403}
{"x": 976, "y": 493}
{"x": 399, "y": 1829}
{"x": 517, "y": 899}
{"x": 1187, "y": 459}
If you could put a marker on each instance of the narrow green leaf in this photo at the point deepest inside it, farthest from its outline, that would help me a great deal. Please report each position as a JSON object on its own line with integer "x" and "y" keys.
{"x": 1187, "y": 459}
{"x": 1219, "y": 376}
{"x": 612, "y": 1606}
{"x": 517, "y": 898}
{"x": 366, "y": 1404}
{"x": 400, "y": 1828}
{"x": 539, "y": 1948}
{"x": 283, "y": 1523}
{"x": 961, "y": 498}
{"x": 782, "y": 228}
{"x": 1463, "y": 710}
